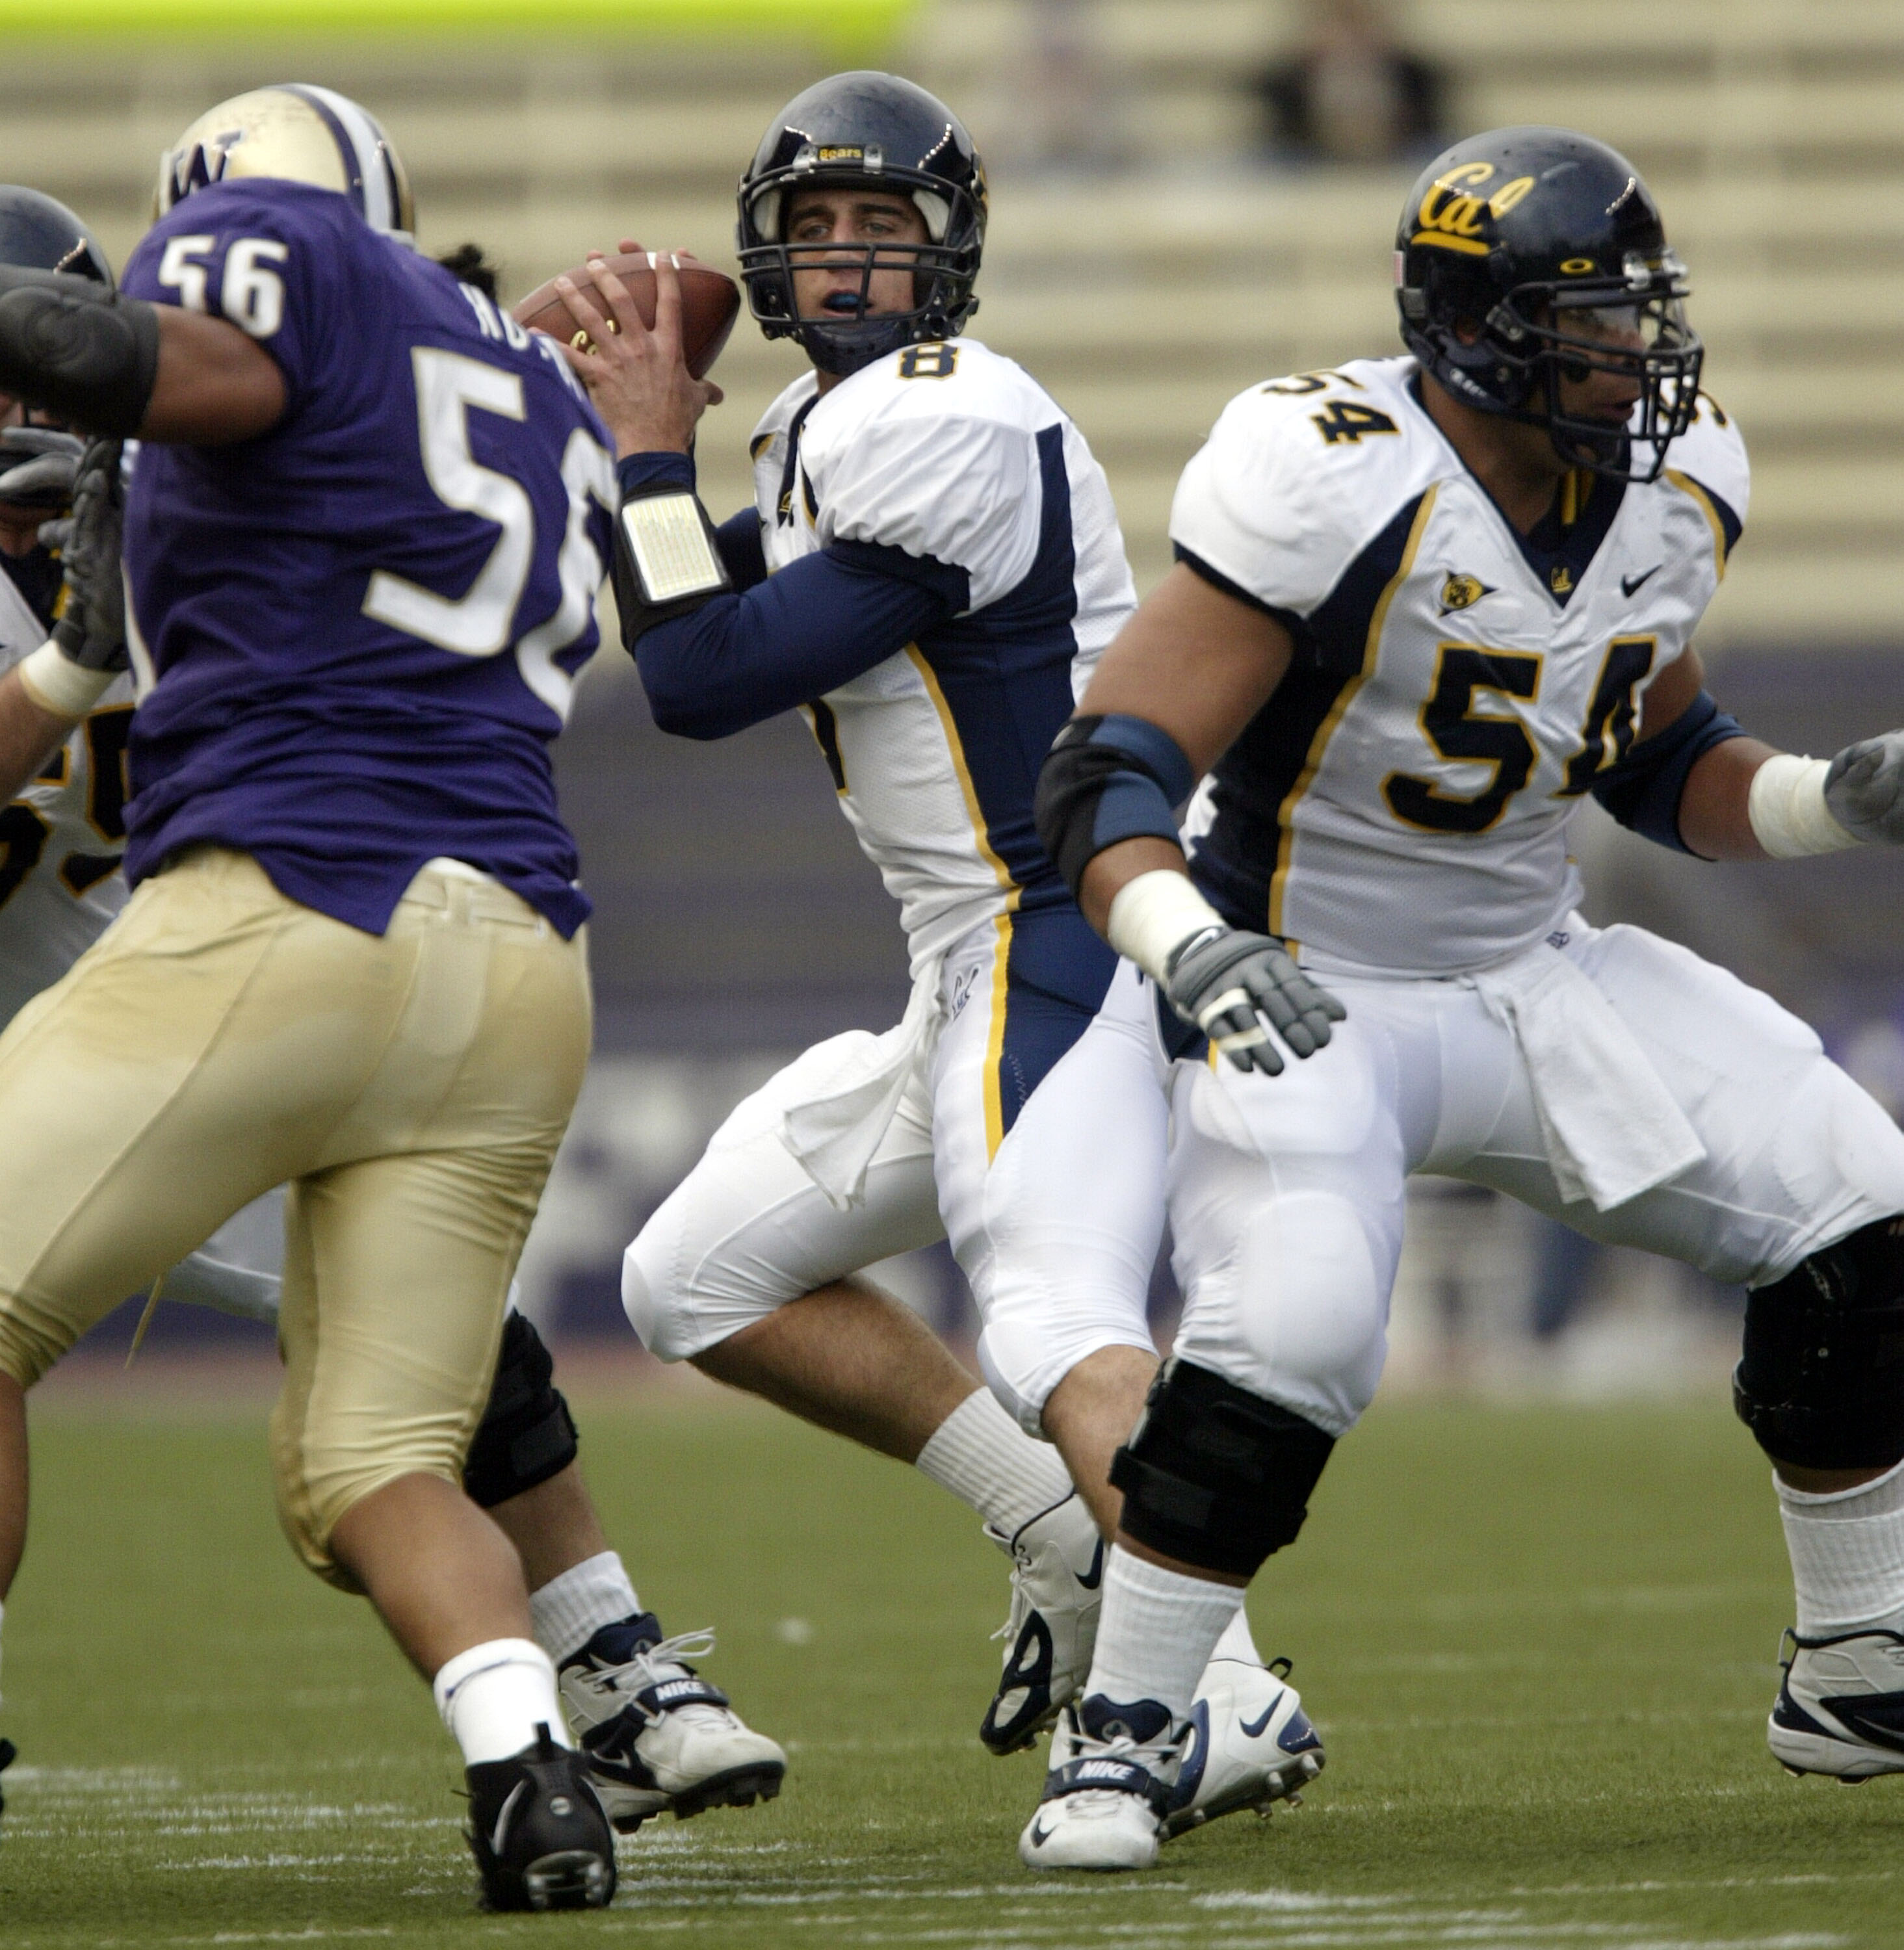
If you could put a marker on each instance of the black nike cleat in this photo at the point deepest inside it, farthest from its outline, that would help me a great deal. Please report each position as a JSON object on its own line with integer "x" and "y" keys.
{"x": 538, "y": 1831}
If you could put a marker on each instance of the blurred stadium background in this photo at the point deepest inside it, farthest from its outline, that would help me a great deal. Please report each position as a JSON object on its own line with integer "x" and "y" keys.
{"x": 1157, "y": 245}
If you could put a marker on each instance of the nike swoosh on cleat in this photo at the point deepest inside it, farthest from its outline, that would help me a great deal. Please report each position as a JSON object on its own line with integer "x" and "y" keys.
{"x": 1631, "y": 585}
{"x": 1092, "y": 1578}
{"x": 1269, "y": 1713}
{"x": 498, "y": 1837}
{"x": 1040, "y": 1835}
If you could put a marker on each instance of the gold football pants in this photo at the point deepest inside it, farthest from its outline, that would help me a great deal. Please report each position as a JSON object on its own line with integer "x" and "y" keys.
{"x": 221, "y": 1039}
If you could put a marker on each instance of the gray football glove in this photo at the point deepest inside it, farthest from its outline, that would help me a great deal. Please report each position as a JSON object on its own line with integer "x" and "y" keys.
{"x": 38, "y": 466}
{"x": 91, "y": 628}
{"x": 1224, "y": 981}
{"x": 1864, "y": 790}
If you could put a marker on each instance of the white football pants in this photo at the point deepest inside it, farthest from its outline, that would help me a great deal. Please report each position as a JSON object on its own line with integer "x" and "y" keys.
{"x": 1286, "y": 1193}
{"x": 1055, "y": 1220}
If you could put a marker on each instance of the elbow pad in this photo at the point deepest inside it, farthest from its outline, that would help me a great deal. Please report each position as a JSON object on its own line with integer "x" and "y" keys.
{"x": 75, "y": 349}
{"x": 667, "y": 558}
{"x": 1642, "y": 791}
{"x": 1108, "y": 779}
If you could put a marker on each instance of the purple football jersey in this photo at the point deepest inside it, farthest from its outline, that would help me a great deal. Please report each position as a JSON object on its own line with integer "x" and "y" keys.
{"x": 357, "y": 635}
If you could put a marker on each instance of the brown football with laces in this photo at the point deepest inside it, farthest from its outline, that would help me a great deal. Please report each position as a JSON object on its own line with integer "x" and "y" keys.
{"x": 710, "y": 302}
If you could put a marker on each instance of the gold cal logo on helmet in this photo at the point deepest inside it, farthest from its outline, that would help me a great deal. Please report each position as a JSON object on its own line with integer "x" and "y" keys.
{"x": 1451, "y": 214}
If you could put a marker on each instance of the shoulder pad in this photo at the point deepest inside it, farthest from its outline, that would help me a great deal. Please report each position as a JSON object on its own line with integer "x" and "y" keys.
{"x": 1712, "y": 452}
{"x": 1298, "y": 474}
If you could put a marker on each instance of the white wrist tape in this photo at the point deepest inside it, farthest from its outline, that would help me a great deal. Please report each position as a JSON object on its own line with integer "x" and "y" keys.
{"x": 1786, "y": 806}
{"x": 57, "y": 684}
{"x": 1155, "y": 914}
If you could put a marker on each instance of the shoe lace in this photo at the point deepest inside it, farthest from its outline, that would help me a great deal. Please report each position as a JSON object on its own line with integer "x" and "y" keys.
{"x": 667, "y": 1658}
{"x": 1154, "y": 1757}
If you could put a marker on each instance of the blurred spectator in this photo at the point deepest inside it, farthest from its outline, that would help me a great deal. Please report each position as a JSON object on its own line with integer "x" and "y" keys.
{"x": 1066, "y": 112}
{"x": 1352, "y": 94}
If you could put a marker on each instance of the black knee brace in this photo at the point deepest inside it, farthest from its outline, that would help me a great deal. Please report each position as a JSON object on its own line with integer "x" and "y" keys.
{"x": 526, "y": 1434}
{"x": 1821, "y": 1383}
{"x": 1215, "y": 1476}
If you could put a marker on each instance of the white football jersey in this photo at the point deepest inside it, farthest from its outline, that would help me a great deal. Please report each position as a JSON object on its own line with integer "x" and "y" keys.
{"x": 1402, "y": 802}
{"x": 60, "y": 840}
{"x": 951, "y": 452}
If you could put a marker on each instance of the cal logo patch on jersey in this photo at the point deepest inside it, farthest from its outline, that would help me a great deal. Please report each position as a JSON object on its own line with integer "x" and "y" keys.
{"x": 1462, "y": 592}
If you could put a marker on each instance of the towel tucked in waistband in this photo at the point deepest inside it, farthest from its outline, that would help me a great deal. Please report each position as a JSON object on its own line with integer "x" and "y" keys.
{"x": 1611, "y": 1129}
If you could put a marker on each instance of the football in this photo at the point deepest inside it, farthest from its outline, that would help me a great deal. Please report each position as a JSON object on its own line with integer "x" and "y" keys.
{"x": 710, "y": 302}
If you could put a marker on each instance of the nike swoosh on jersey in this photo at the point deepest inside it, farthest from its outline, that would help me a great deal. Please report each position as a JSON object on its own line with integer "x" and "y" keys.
{"x": 1631, "y": 585}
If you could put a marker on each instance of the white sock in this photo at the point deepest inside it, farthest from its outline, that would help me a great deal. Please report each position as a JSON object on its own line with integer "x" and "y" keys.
{"x": 1156, "y": 1632}
{"x": 574, "y": 1605}
{"x": 1847, "y": 1553}
{"x": 986, "y": 1460}
{"x": 1236, "y": 1642}
{"x": 494, "y": 1696}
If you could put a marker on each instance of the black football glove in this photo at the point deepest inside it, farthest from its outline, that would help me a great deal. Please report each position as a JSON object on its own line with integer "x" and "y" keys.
{"x": 91, "y": 628}
{"x": 38, "y": 466}
{"x": 1225, "y": 980}
{"x": 1864, "y": 790}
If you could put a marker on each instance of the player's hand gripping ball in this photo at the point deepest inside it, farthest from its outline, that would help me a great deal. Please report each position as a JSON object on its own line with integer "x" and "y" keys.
{"x": 710, "y": 302}
{"x": 641, "y": 361}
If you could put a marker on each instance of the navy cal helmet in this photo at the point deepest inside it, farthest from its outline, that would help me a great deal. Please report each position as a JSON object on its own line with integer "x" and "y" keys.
{"x": 873, "y": 131}
{"x": 38, "y": 233}
{"x": 1525, "y": 256}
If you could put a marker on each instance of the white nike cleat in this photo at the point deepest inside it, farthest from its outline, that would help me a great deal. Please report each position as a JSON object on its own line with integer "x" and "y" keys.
{"x": 658, "y": 1738}
{"x": 1056, "y": 1588}
{"x": 1112, "y": 1769}
{"x": 1250, "y": 1744}
{"x": 1840, "y": 1710}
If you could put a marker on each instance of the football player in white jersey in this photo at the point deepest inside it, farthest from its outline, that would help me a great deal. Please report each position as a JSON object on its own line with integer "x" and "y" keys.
{"x": 931, "y": 571}
{"x": 1421, "y": 606}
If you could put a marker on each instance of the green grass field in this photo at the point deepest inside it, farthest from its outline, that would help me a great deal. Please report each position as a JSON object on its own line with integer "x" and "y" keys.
{"x": 1540, "y": 1643}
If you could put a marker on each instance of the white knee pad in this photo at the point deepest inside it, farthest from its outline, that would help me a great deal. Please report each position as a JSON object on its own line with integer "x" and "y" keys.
{"x": 1300, "y": 1316}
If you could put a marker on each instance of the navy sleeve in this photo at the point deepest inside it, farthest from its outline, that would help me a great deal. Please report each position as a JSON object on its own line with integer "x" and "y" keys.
{"x": 818, "y": 624}
{"x": 1642, "y": 791}
{"x": 738, "y": 538}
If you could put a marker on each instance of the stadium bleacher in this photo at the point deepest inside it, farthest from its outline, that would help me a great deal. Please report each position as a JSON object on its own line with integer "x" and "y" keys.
{"x": 1144, "y": 298}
